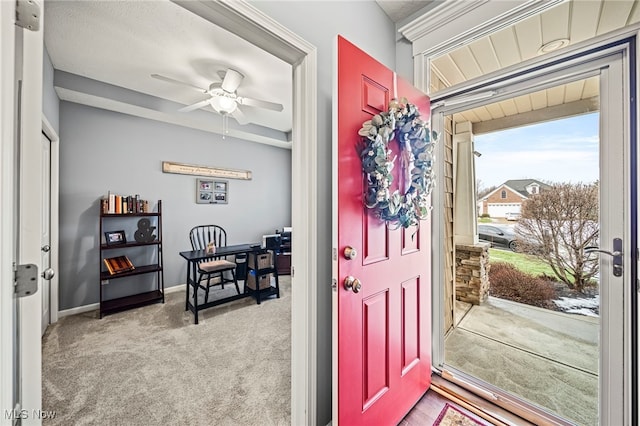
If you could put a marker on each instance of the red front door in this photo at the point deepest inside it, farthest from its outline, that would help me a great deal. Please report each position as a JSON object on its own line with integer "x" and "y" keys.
{"x": 384, "y": 330}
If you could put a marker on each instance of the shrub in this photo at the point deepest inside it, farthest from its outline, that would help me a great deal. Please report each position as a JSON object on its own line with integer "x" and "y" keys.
{"x": 485, "y": 215}
{"x": 509, "y": 283}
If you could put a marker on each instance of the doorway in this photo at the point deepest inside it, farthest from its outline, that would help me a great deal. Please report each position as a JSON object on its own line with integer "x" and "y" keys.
{"x": 504, "y": 378}
{"x": 286, "y": 45}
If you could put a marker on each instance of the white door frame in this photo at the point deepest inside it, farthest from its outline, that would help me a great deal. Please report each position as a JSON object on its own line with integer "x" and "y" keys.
{"x": 54, "y": 230}
{"x": 30, "y": 220}
{"x": 254, "y": 26}
{"x": 585, "y": 59}
{"x": 7, "y": 220}
{"x": 28, "y": 320}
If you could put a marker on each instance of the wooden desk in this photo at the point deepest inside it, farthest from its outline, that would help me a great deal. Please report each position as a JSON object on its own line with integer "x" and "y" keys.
{"x": 193, "y": 258}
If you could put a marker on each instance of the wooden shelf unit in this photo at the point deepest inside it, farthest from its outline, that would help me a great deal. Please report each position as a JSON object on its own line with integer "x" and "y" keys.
{"x": 258, "y": 273}
{"x": 108, "y": 222}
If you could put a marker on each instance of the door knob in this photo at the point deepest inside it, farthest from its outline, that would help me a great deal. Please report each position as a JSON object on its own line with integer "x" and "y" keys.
{"x": 45, "y": 248}
{"x": 48, "y": 274}
{"x": 352, "y": 283}
{"x": 350, "y": 253}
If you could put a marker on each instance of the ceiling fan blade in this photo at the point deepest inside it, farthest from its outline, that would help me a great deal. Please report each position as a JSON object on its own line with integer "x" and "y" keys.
{"x": 172, "y": 80}
{"x": 232, "y": 80}
{"x": 260, "y": 104}
{"x": 195, "y": 106}
{"x": 239, "y": 116}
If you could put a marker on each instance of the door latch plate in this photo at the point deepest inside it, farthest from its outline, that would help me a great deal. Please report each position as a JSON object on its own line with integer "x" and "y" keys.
{"x": 26, "y": 280}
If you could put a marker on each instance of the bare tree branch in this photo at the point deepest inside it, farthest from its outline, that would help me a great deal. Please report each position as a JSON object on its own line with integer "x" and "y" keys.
{"x": 557, "y": 224}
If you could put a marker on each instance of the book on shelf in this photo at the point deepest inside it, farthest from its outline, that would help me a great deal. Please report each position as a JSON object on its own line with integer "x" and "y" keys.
{"x": 123, "y": 204}
{"x": 118, "y": 264}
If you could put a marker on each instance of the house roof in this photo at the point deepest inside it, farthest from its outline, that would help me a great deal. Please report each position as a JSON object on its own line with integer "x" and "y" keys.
{"x": 519, "y": 186}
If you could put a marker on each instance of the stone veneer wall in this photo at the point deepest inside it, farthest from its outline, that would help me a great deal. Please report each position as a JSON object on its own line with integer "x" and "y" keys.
{"x": 472, "y": 273}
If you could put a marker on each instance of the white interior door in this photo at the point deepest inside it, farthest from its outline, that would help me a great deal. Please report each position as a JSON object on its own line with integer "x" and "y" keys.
{"x": 20, "y": 124}
{"x": 46, "y": 237}
{"x": 9, "y": 367}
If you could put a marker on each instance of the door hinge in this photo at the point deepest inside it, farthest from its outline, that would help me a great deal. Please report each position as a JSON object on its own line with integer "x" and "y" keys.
{"x": 26, "y": 280}
{"x": 28, "y": 14}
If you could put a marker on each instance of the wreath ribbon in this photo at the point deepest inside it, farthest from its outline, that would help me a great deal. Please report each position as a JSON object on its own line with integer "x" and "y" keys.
{"x": 416, "y": 141}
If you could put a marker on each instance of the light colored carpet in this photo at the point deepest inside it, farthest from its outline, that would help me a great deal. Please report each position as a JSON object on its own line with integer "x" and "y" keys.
{"x": 154, "y": 366}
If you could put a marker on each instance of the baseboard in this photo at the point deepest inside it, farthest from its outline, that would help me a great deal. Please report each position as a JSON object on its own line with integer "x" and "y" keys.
{"x": 78, "y": 310}
{"x": 175, "y": 288}
{"x": 96, "y": 306}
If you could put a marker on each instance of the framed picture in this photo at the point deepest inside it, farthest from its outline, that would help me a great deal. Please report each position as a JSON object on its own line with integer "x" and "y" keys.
{"x": 209, "y": 191}
{"x": 115, "y": 237}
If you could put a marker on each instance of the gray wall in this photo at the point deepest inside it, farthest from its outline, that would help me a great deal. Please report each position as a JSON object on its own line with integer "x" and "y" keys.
{"x": 319, "y": 22}
{"x": 50, "y": 101}
{"x": 103, "y": 151}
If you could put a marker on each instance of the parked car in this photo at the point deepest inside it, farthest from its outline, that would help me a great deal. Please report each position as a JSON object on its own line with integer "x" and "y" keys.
{"x": 512, "y": 216}
{"x": 503, "y": 237}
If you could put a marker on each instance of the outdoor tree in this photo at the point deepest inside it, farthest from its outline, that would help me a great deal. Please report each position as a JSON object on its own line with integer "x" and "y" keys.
{"x": 481, "y": 191}
{"x": 557, "y": 224}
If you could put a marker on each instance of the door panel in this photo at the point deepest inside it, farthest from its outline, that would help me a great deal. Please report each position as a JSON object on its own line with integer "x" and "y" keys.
{"x": 383, "y": 350}
{"x": 410, "y": 324}
{"x": 375, "y": 240}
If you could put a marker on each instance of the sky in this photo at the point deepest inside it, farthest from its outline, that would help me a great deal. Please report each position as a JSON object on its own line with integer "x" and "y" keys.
{"x": 557, "y": 151}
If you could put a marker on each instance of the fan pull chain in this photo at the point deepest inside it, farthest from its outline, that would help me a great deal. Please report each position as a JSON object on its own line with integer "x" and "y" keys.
{"x": 225, "y": 125}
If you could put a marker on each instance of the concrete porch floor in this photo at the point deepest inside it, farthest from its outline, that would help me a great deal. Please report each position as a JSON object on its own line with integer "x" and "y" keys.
{"x": 548, "y": 358}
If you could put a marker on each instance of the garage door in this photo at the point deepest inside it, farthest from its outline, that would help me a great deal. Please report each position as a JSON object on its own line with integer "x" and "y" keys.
{"x": 501, "y": 210}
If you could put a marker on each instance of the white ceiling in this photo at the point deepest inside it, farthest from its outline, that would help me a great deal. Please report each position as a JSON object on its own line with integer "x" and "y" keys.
{"x": 398, "y": 10}
{"x": 130, "y": 40}
{"x": 123, "y": 42}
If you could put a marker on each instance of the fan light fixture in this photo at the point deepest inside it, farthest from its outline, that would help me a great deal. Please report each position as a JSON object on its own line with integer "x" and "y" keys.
{"x": 223, "y": 104}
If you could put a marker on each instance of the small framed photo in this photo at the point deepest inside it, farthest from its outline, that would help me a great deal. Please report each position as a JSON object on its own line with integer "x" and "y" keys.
{"x": 115, "y": 237}
{"x": 210, "y": 191}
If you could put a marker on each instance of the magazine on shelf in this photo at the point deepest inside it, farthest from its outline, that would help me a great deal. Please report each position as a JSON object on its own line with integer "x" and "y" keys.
{"x": 118, "y": 264}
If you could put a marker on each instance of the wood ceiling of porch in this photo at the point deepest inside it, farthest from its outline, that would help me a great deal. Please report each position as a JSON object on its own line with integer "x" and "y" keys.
{"x": 570, "y": 22}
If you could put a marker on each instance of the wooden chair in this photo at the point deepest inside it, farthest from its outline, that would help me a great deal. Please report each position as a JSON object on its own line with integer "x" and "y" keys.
{"x": 213, "y": 271}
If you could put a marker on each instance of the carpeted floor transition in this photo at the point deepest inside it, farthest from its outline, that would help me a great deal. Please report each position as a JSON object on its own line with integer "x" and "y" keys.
{"x": 153, "y": 366}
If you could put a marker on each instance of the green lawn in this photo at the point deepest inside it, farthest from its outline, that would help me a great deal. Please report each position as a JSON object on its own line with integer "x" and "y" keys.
{"x": 524, "y": 262}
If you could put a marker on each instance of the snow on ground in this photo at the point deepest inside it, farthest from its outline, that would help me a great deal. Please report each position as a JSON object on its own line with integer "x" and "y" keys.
{"x": 582, "y": 306}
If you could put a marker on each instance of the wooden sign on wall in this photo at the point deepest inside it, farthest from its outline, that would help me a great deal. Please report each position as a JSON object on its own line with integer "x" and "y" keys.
{"x": 192, "y": 169}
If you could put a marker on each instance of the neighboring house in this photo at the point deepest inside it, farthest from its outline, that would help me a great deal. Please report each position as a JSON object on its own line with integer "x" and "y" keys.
{"x": 508, "y": 197}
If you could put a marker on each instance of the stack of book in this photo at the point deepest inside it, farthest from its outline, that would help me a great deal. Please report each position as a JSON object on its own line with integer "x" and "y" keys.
{"x": 121, "y": 204}
{"x": 118, "y": 265}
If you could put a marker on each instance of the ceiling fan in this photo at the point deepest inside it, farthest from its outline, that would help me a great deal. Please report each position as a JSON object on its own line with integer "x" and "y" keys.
{"x": 222, "y": 96}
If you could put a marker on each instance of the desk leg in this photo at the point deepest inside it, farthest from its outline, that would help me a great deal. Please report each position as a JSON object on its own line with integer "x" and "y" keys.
{"x": 195, "y": 289}
{"x": 186, "y": 301}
